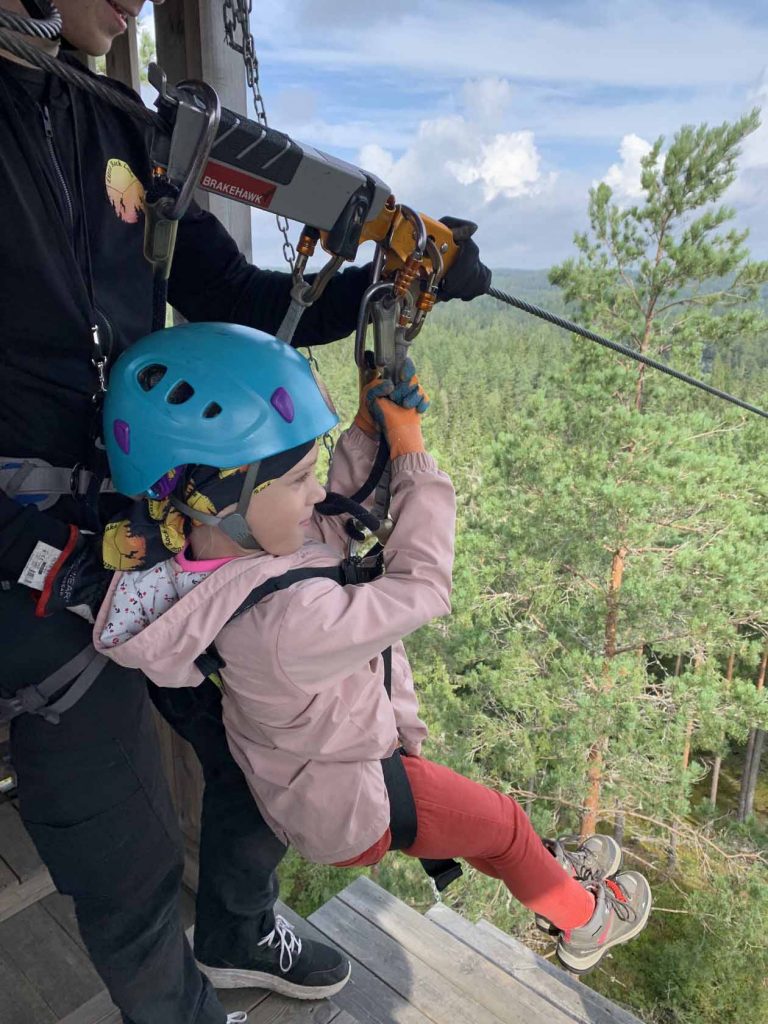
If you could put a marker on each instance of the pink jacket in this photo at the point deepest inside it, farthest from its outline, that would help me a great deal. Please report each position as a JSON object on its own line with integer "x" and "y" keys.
{"x": 304, "y": 705}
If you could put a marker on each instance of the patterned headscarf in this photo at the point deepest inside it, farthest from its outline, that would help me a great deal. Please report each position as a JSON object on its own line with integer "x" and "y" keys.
{"x": 154, "y": 529}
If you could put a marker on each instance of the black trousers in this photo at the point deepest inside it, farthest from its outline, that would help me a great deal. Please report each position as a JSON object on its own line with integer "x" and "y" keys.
{"x": 94, "y": 798}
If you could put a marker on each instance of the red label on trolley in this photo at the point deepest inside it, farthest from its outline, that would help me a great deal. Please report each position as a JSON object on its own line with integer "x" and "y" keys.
{"x": 234, "y": 184}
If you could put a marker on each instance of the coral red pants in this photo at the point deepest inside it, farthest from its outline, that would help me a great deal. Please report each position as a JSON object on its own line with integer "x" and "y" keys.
{"x": 457, "y": 817}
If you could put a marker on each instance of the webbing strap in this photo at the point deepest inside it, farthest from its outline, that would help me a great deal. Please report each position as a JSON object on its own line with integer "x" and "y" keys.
{"x": 81, "y": 672}
{"x": 403, "y": 820}
{"x": 27, "y": 478}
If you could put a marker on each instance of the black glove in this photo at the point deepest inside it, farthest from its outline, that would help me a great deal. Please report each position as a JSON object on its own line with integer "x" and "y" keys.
{"x": 468, "y": 277}
{"x": 77, "y": 581}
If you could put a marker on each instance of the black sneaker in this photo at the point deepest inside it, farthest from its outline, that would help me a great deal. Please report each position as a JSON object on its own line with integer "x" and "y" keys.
{"x": 284, "y": 963}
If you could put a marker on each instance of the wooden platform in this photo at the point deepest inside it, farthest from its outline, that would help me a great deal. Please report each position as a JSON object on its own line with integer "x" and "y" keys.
{"x": 407, "y": 968}
{"x": 23, "y": 877}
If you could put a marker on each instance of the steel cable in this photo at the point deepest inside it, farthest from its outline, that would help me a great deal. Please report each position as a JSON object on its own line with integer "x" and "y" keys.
{"x": 625, "y": 350}
{"x": 48, "y": 27}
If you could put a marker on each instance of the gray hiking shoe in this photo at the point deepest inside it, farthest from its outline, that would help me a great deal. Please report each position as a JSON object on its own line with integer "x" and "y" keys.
{"x": 595, "y": 858}
{"x": 622, "y": 908}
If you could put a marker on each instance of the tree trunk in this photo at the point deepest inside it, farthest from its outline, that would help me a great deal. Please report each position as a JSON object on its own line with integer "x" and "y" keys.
{"x": 754, "y": 772}
{"x": 619, "y": 827}
{"x": 751, "y": 769}
{"x": 597, "y": 753}
{"x": 745, "y": 776}
{"x": 672, "y": 848}
{"x": 715, "y": 781}
{"x": 719, "y": 760}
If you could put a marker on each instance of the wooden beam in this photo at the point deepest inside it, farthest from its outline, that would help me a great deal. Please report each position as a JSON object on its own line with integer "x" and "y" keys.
{"x": 123, "y": 58}
{"x": 190, "y": 44}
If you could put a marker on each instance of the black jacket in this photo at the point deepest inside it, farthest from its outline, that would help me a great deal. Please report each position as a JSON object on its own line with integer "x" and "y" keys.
{"x": 72, "y": 172}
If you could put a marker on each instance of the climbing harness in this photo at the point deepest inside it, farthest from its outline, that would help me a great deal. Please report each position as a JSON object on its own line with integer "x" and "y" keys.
{"x": 352, "y": 572}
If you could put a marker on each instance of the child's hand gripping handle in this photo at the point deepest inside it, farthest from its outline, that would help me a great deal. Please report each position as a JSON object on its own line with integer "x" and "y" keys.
{"x": 396, "y": 409}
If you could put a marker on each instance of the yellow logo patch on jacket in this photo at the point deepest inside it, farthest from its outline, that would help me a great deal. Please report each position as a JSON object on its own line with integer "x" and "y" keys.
{"x": 124, "y": 190}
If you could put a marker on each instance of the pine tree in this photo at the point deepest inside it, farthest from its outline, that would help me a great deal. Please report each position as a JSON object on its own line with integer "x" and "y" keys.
{"x": 667, "y": 276}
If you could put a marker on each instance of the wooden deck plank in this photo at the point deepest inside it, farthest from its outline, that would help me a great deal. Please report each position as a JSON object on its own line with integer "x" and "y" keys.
{"x": 7, "y": 877}
{"x": 14, "y": 899}
{"x": 20, "y": 1003}
{"x": 468, "y": 971}
{"x": 402, "y": 969}
{"x": 99, "y": 1010}
{"x": 277, "y": 1009}
{"x": 34, "y": 944}
{"x": 62, "y": 909}
{"x": 16, "y": 848}
{"x": 365, "y": 997}
{"x": 521, "y": 952}
{"x": 576, "y": 1001}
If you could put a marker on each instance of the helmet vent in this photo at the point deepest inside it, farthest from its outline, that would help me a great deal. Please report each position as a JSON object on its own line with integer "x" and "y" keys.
{"x": 180, "y": 393}
{"x": 151, "y": 376}
{"x": 211, "y": 411}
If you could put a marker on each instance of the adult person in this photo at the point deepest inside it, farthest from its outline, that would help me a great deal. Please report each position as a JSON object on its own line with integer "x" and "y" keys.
{"x": 92, "y": 793}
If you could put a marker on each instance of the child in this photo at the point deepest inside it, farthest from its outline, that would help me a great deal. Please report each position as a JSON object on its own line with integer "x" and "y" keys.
{"x": 307, "y": 716}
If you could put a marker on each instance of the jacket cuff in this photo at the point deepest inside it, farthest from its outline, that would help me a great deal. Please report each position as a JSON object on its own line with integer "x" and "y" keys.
{"x": 419, "y": 462}
{"x": 361, "y": 442}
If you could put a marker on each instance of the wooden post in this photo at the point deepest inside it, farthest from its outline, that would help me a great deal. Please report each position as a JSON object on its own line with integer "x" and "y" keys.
{"x": 123, "y": 58}
{"x": 190, "y": 44}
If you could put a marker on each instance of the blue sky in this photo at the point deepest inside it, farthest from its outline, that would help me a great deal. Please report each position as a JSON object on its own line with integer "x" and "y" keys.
{"x": 506, "y": 111}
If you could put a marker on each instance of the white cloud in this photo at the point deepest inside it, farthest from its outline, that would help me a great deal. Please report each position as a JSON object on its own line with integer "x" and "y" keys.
{"x": 487, "y": 99}
{"x": 456, "y": 151}
{"x": 508, "y": 166}
{"x": 624, "y": 177}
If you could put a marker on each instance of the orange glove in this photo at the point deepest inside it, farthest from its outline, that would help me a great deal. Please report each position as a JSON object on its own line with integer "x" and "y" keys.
{"x": 398, "y": 410}
{"x": 363, "y": 418}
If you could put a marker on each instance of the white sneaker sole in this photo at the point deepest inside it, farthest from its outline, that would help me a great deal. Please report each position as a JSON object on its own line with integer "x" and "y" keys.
{"x": 226, "y": 977}
{"x": 582, "y": 964}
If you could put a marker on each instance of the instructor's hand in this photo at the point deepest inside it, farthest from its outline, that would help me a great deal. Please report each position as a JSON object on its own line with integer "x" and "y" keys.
{"x": 468, "y": 277}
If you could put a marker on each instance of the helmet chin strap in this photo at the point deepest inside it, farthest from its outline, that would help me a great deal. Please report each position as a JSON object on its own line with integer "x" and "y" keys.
{"x": 234, "y": 525}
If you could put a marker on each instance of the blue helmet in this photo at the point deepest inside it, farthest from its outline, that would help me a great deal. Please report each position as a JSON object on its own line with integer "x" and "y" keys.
{"x": 218, "y": 394}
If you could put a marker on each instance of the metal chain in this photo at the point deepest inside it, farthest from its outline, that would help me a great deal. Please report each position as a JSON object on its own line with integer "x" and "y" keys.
{"x": 237, "y": 15}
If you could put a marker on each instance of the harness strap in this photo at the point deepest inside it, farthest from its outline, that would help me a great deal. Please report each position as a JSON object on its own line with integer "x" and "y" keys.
{"x": 403, "y": 821}
{"x": 34, "y": 481}
{"x": 81, "y": 672}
